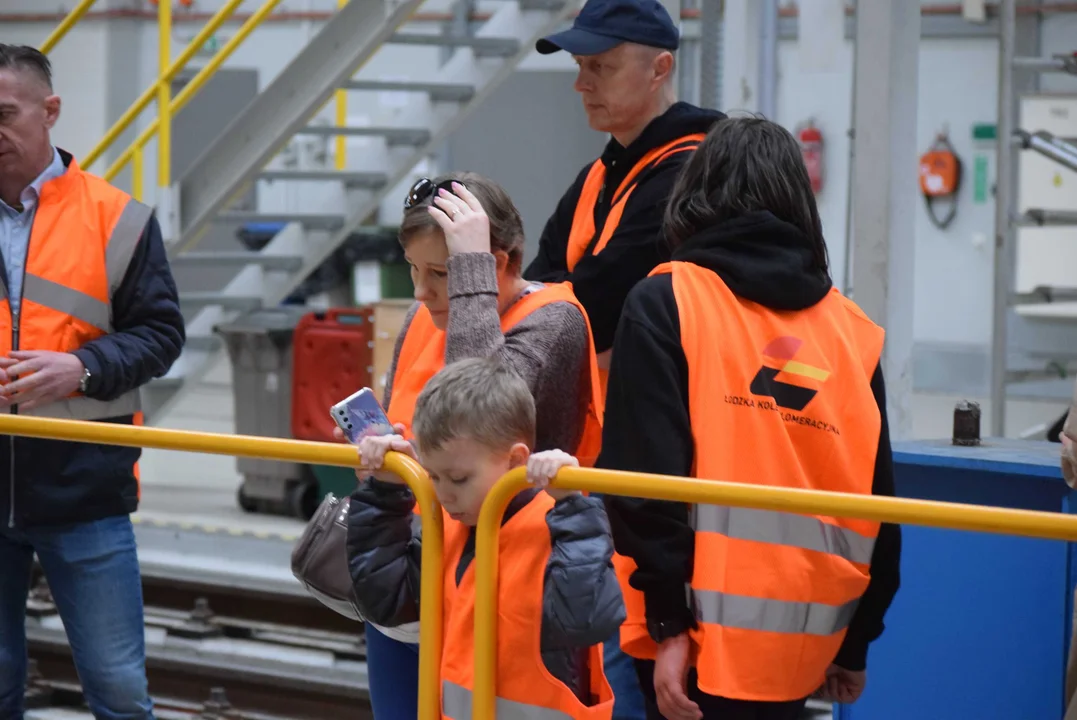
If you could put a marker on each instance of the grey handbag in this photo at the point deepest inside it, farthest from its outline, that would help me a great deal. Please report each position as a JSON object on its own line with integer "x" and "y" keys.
{"x": 320, "y": 558}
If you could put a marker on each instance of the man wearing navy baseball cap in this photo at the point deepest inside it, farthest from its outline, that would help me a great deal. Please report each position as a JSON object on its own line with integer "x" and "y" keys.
{"x": 605, "y": 235}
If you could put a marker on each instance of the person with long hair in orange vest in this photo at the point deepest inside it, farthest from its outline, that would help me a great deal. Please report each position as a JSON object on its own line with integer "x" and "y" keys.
{"x": 558, "y": 596}
{"x": 739, "y": 361}
{"x": 464, "y": 239}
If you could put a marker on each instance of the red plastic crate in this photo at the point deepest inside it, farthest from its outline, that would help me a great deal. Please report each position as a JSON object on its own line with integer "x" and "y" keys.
{"x": 333, "y": 358}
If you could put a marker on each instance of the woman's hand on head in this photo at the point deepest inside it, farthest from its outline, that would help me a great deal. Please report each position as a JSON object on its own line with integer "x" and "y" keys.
{"x": 462, "y": 220}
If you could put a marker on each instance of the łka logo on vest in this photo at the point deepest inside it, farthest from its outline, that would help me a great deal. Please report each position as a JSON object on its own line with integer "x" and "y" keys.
{"x": 799, "y": 384}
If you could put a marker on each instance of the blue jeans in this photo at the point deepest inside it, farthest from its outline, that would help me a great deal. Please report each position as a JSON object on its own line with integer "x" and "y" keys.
{"x": 393, "y": 673}
{"x": 628, "y": 702}
{"x": 92, "y": 570}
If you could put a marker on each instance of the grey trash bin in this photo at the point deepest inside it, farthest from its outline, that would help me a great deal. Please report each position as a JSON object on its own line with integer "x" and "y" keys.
{"x": 260, "y": 348}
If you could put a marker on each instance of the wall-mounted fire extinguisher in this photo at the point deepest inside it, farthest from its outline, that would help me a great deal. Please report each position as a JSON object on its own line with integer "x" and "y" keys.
{"x": 811, "y": 149}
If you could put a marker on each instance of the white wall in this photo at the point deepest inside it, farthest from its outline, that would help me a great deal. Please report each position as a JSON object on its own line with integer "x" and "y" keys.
{"x": 958, "y": 88}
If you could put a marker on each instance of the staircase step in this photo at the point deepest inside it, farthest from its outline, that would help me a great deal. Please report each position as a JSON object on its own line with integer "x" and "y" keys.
{"x": 229, "y": 302}
{"x": 202, "y": 343}
{"x": 369, "y": 180}
{"x": 311, "y": 221}
{"x": 483, "y": 46}
{"x": 438, "y": 92}
{"x": 289, "y": 263}
{"x": 393, "y": 136}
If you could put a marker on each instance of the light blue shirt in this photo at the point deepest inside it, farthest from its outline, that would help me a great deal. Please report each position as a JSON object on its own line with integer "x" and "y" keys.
{"x": 15, "y": 229}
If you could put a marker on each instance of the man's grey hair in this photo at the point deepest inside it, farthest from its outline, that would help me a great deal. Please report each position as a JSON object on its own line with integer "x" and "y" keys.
{"x": 479, "y": 399}
{"x": 26, "y": 59}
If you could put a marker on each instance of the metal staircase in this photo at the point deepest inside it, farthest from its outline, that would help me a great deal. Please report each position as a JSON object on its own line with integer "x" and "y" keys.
{"x": 437, "y": 102}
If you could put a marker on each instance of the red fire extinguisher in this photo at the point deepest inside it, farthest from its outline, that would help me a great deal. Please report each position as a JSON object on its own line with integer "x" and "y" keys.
{"x": 811, "y": 149}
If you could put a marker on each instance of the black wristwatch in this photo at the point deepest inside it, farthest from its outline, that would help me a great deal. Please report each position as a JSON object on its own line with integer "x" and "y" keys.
{"x": 84, "y": 384}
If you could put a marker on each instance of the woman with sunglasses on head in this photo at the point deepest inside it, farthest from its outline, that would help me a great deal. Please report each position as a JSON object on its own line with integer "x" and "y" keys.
{"x": 464, "y": 240}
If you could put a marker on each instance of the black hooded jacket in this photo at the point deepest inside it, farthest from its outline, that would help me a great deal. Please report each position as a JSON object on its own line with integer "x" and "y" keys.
{"x": 602, "y": 281}
{"x": 647, "y": 426}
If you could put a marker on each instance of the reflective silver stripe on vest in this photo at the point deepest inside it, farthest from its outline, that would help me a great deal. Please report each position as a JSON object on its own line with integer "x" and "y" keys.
{"x": 83, "y": 408}
{"x": 456, "y": 704}
{"x": 779, "y": 616}
{"x": 68, "y": 301}
{"x": 124, "y": 240}
{"x": 781, "y": 528}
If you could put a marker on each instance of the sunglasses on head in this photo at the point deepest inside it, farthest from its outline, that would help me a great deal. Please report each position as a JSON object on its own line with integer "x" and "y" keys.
{"x": 423, "y": 189}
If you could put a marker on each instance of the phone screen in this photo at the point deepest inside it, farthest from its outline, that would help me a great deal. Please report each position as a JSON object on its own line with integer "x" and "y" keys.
{"x": 361, "y": 415}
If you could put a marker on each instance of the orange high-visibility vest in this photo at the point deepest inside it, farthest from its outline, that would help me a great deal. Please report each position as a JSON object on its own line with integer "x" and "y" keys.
{"x": 525, "y": 688}
{"x": 84, "y": 235}
{"x": 422, "y": 354}
{"x": 583, "y": 230}
{"x": 781, "y": 399}
{"x": 583, "y": 221}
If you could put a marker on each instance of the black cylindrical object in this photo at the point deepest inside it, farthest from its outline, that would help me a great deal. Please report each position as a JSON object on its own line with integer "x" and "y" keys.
{"x": 967, "y": 423}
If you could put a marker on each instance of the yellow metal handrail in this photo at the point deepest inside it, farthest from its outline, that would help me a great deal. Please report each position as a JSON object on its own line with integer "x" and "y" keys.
{"x": 65, "y": 25}
{"x": 161, "y": 91}
{"x": 192, "y": 87}
{"x": 164, "y": 98}
{"x": 298, "y": 451}
{"x": 173, "y": 69}
{"x": 341, "y": 146}
{"x": 1055, "y": 526}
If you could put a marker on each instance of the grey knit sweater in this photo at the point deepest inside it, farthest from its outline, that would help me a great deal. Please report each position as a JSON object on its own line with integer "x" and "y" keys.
{"x": 548, "y": 348}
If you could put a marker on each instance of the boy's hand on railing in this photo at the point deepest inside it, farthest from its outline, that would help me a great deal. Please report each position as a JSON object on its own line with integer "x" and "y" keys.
{"x": 372, "y": 451}
{"x": 543, "y": 466}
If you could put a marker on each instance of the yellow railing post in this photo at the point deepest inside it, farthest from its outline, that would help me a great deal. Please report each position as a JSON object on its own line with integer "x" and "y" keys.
{"x": 190, "y": 89}
{"x": 956, "y": 516}
{"x": 137, "y": 159}
{"x": 65, "y": 26}
{"x": 148, "y": 95}
{"x": 297, "y": 451}
{"x": 341, "y": 145}
{"x": 164, "y": 100}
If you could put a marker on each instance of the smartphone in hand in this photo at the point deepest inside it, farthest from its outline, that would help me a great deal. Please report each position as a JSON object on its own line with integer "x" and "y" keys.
{"x": 360, "y": 415}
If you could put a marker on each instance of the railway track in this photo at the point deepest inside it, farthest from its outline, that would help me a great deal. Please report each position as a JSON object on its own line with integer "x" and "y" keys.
{"x": 215, "y": 651}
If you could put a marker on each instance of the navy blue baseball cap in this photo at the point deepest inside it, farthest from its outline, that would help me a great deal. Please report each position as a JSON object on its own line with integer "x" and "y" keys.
{"x": 604, "y": 24}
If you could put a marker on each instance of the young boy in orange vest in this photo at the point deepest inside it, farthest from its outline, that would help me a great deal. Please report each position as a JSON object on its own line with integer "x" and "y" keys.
{"x": 558, "y": 596}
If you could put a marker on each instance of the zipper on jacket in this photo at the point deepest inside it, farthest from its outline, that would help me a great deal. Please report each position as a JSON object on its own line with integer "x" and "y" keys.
{"x": 15, "y": 408}
{"x": 14, "y": 411}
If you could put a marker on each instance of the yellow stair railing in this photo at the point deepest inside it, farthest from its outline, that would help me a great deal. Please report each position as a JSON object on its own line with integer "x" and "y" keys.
{"x": 161, "y": 91}
{"x": 69, "y": 21}
{"x": 297, "y": 451}
{"x": 168, "y": 106}
{"x": 1028, "y": 523}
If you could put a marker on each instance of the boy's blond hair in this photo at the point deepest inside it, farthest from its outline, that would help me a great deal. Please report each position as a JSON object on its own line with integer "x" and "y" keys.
{"x": 480, "y": 399}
